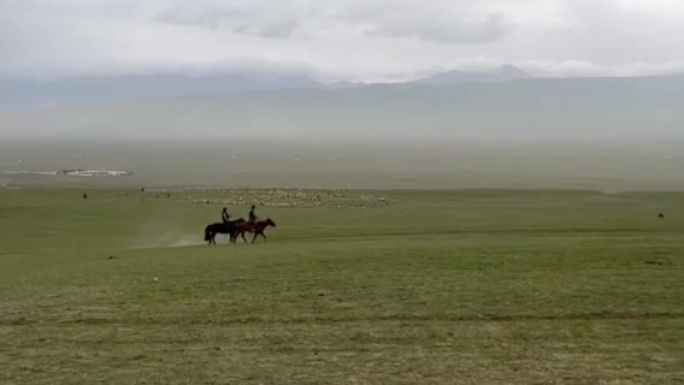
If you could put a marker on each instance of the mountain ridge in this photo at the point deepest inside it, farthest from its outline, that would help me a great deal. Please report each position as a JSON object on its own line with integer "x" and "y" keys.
{"x": 536, "y": 107}
{"x": 504, "y": 73}
{"x": 103, "y": 90}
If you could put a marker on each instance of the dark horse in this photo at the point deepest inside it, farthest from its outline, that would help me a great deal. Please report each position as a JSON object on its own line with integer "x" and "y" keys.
{"x": 221, "y": 228}
{"x": 242, "y": 227}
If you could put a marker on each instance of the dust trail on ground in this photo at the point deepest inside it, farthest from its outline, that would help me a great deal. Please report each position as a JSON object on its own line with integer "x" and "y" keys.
{"x": 168, "y": 241}
{"x": 157, "y": 238}
{"x": 165, "y": 233}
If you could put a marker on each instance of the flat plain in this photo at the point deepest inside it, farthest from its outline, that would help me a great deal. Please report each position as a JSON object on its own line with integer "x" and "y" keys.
{"x": 353, "y": 287}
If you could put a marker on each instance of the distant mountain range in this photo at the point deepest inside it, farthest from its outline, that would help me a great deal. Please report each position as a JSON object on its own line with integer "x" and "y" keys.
{"x": 524, "y": 107}
{"x": 504, "y": 73}
{"x": 102, "y": 90}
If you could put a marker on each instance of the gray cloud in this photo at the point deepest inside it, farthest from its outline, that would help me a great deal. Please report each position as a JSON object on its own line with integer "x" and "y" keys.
{"x": 492, "y": 28}
{"x": 404, "y": 19}
{"x": 347, "y": 39}
{"x": 237, "y": 20}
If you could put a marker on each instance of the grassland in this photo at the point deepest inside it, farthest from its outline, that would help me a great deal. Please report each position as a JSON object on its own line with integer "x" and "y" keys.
{"x": 431, "y": 287}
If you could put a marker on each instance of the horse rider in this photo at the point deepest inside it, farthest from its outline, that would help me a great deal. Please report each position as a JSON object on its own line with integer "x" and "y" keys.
{"x": 252, "y": 216}
{"x": 225, "y": 216}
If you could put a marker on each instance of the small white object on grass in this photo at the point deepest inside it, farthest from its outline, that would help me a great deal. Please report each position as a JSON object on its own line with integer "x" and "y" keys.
{"x": 156, "y": 279}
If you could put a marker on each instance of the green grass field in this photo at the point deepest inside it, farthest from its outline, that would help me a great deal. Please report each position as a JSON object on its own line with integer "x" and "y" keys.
{"x": 432, "y": 287}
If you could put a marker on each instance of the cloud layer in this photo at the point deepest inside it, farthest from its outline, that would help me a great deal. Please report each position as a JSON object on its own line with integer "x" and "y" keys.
{"x": 341, "y": 39}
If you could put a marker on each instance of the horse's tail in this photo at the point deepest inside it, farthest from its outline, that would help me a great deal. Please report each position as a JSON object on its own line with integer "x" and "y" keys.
{"x": 207, "y": 233}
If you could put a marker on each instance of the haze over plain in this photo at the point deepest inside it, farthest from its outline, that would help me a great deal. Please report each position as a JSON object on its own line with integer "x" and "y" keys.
{"x": 590, "y": 76}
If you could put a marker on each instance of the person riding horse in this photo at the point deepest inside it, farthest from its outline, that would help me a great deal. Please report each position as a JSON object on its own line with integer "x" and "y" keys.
{"x": 252, "y": 216}
{"x": 226, "y": 226}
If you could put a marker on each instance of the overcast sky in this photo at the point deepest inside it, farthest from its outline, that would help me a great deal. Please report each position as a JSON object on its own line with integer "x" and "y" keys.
{"x": 347, "y": 39}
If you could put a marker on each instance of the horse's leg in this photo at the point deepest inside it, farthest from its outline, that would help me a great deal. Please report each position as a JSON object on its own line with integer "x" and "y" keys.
{"x": 256, "y": 234}
{"x": 243, "y": 236}
{"x": 264, "y": 235}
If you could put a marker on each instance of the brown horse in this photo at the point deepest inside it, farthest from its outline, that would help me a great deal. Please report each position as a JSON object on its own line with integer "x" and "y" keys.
{"x": 243, "y": 227}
